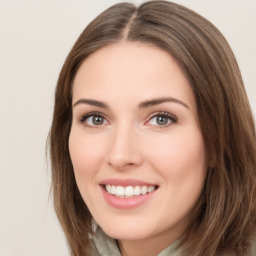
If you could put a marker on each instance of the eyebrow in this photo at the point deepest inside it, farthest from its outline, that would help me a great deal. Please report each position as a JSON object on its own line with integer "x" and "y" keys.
{"x": 91, "y": 102}
{"x": 157, "y": 101}
{"x": 144, "y": 104}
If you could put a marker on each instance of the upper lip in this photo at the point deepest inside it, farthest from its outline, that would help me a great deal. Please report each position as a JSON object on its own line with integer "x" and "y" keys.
{"x": 125, "y": 182}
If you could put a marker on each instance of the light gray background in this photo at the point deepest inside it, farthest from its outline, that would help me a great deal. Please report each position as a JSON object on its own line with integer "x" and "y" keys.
{"x": 35, "y": 37}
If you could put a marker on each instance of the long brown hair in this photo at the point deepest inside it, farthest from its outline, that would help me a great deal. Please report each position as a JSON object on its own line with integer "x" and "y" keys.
{"x": 224, "y": 219}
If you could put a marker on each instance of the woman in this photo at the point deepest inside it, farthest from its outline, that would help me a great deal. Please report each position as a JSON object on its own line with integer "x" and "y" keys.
{"x": 152, "y": 142}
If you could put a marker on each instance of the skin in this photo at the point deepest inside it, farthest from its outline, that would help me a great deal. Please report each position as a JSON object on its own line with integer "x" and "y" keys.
{"x": 130, "y": 142}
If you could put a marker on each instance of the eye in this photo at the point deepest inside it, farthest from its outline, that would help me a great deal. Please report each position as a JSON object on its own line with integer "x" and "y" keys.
{"x": 162, "y": 120}
{"x": 93, "y": 119}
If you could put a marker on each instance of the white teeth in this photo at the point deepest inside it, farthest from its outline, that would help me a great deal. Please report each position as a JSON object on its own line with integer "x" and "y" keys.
{"x": 151, "y": 188}
{"x": 113, "y": 190}
{"x": 129, "y": 191}
{"x": 136, "y": 190}
{"x": 108, "y": 188}
{"x": 144, "y": 190}
{"x": 119, "y": 191}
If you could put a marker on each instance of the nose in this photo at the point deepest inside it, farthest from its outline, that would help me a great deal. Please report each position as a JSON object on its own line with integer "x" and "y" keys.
{"x": 124, "y": 150}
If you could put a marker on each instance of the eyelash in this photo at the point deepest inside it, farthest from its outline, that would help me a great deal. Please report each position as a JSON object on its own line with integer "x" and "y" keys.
{"x": 172, "y": 119}
{"x": 91, "y": 114}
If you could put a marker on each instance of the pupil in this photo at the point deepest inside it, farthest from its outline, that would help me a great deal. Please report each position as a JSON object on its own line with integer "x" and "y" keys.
{"x": 162, "y": 120}
{"x": 97, "y": 120}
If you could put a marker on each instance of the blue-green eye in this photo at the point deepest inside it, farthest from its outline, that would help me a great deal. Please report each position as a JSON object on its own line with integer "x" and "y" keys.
{"x": 93, "y": 120}
{"x": 163, "y": 119}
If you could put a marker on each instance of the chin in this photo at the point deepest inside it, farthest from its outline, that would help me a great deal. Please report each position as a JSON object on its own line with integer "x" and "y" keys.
{"x": 127, "y": 230}
{"x": 127, "y": 234}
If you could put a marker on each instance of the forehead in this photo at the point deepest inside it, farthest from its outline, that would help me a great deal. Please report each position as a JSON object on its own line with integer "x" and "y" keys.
{"x": 134, "y": 70}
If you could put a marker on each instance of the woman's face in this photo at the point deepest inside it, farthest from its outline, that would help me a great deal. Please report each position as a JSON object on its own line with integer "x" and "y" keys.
{"x": 135, "y": 143}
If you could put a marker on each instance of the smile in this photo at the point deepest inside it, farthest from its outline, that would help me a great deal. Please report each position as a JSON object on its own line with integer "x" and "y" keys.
{"x": 127, "y": 194}
{"x": 128, "y": 191}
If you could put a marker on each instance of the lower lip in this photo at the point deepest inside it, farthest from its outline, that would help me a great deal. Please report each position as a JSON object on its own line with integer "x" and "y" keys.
{"x": 126, "y": 203}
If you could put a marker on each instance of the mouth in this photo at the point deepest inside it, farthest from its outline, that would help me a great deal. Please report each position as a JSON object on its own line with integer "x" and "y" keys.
{"x": 127, "y": 194}
{"x": 129, "y": 191}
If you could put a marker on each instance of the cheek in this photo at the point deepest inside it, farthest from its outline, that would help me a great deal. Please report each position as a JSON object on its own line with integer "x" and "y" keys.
{"x": 180, "y": 158}
{"x": 181, "y": 161}
{"x": 85, "y": 153}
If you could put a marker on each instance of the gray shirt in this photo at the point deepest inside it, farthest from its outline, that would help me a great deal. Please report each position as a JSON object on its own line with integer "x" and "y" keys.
{"x": 103, "y": 245}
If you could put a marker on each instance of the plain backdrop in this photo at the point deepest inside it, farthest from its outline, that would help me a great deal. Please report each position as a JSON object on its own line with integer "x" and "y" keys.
{"x": 35, "y": 37}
